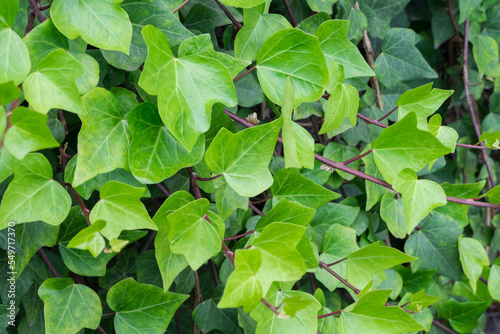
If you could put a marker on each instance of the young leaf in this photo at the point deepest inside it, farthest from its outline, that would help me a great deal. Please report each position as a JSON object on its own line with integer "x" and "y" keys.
{"x": 29, "y": 132}
{"x": 419, "y": 197}
{"x": 90, "y": 239}
{"x": 15, "y": 61}
{"x": 287, "y": 212}
{"x": 491, "y": 139}
{"x": 121, "y": 208}
{"x": 244, "y": 157}
{"x": 473, "y": 258}
{"x": 69, "y": 307}
{"x": 295, "y": 54}
{"x": 185, "y": 114}
{"x": 393, "y": 213}
{"x": 421, "y": 300}
{"x": 242, "y": 3}
{"x": 494, "y": 279}
{"x": 129, "y": 299}
{"x": 228, "y": 201}
{"x": 100, "y": 23}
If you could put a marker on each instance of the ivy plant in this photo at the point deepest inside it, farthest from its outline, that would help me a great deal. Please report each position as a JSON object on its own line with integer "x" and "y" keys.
{"x": 249, "y": 166}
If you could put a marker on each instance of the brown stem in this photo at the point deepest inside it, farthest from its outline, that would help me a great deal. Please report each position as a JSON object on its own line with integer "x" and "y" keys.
{"x": 255, "y": 209}
{"x": 163, "y": 189}
{"x": 178, "y": 8}
{"x": 337, "y": 276}
{"x": 387, "y": 115}
{"x": 45, "y": 7}
{"x": 239, "y": 236}
{"x": 228, "y": 253}
{"x": 443, "y": 327}
{"x": 452, "y": 19}
{"x": 194, "y": 183}
{"x": 475, "y": 147}
{"x": 228, "y": 14}
{"x": 336, "y": 262}
{"x": 269, "y": 306}
{"x": 243, "y": 74}
{"x": 207, "y": 178}
{"x": 313, "y": 283}
{"x": 213, "y": 270}
{"x": 37, "y": 11}
{"x": 372, "y": 121}
{"x": 47, "y": 262}
{"x": 108, "y": 314}
{"x": 261, "y": 200}
{"x": 101, "y": 330}
{"x": 329, "y": 314}
{"x": 290, "y": 13}
{"x": 31, "y": 23}
{"x": 357, "y": 158}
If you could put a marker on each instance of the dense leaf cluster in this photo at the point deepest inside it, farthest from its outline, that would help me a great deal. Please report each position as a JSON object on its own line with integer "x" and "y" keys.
{"x": 249, "y": 166}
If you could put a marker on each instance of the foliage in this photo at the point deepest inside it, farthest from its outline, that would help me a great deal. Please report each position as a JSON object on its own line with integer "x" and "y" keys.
{"x": 249, "y": 166}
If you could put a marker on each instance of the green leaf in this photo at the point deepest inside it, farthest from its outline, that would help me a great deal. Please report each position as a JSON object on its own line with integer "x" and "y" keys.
{"x": 90, "y": 239}
{"x": 42, "y": 40}
{"x": 90, "y": 78}
{"x": 295, "y": 54}
{"x": 33, "y": 195}
{"x": 362, "y": 264}
{"x": 393, "y": 213}
{"x": 379, "y": 14}
{"x": 321, "y": 5}
{"x": 8, "y": 92}
{"x": 491, "y": 139}
{"x": 156, "y": 13}
{"x": 473, "y": 258}
{"x": 188, "y": 226}
{"x": 436, "y": 246}
{"x": 242, "y": 287}
{"x": 403, "y": 145}
{"x": 493, "y": 195}
{"x": 15, "y": 62}
{"x": 494, "y": 280}
{"x": 103, "y": 140}
{"x": 421, "y": 300}
{"x": 424, "y": 101}
{"x": 419, "y": 197}
{"x": 53, "y": 84}
{"x": 154, "y": 154}
{"x": 69, "y": 307}
{"x": 244, "y": 157}
{"x": 228, "y": 201}
{"x": 29, "y": 132}
{"x": 256, "y": 30}
{"x": 298, "y": 144}
{"x": 286, "y": 212}
{"x": 309, "y": 193}
{"x": 338, "y": 152}
{"x": 242, "y": 3}
{"x": 121, "y": 208}
{"x": 100, "y": 23}
{"x": 400, "y": 60}
{"x": 8, "y": 13}
{"x": 463, "y": 317}
{"x": 82, "y": 262}
{"x": 337, "y": 48}
{"x": 305, "y": 320}
{"x": 130, "y": 300}
{"x": 370, "y": 315}
{"x": 467, "y": 7}
{"x": 185, "y": 114}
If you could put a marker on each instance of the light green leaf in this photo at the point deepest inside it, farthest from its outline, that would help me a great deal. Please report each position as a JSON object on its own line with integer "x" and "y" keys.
{"x": 494, "y": 280}
{"x": 393, "y": 213}
{"x": 33, "y": 195}
{"x": 242, "y": 3}
{"x": 421, "y": 300}
{"x": 403, "y": 145}
{"x": 244, "y": 157}
{"x": 53, "y": 84}
{"x": 256, "y": 30}
{"x": 150, "y": 311}
{"x": 102, "y": 23}
{"x": 142, "y": 13}
{"x": 463, "y": 317}
{"x": 467, "y": 7}
{"x": 491, "y": 139}
{"x": 298, "y": 144}
{"x": 90, "y": 78}
{"x": 400, "y": 60}
{"x": 337, "y": 48}
{"x": 369, "y": 315}
{"x": 121, "y": 208}
{"x": 103, "y": 140}
{"x": 185, "y": 114}
{"x": 8, "y": 13}
{"x": 424, "y": 101}
{"x": 295, "y": 54}
{"x": 69, "y": 307}
{"x": 15, "y": 62}
{"x": 90, "y": 239}
{"x": 154, "y": 154}
{"x": 286, "y": 212}
{"x": 117, "y": 244}
{"x": 8, "y": 92}
{"x": 473, "y": 258}
{"x": 493, "y": 195}
{"x": 419, "y": 197}
{"x": 242, "y": 287}
{"x": 7, "y": 164}
{"x": 188, "y": 226}
{"x": 228, "y": 201}
{"x": 362, "y": 264}
{"x": 374, "y": 192}
{"x": 309, "y": 193}
{"x": 29, "y": 132}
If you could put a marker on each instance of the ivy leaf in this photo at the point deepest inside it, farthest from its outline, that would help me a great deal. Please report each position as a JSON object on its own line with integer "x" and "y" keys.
{"x": 463, "y": 317}
{"x": 242, "y": 287}
{"x": 228, "y": 201}
{"x": 104, "y": 137}
{"x": 82, "y": 262}
{"x": 423, "y": 100}
{"x": 380, "y": 13}
{"x": 8, "y": 13}
{"x": 338, "y": 152}
{"x": 393, "y": 213}
{"x": 370, "y": 315}
{"x": 419, "y": 197}
{"x": 69, "y": 307}
{"x": 421, "y": 300}
{"x": 121, "y": 208}
{"x": 305, "y": 320}
{"x": 33, "y": 195}
{"x": 29, "y": 132}
{"x": 42, "y": 40}
{"x": 8, "y": 92}
{"x": 362, "y": 264}
{"x": 494, "y": 279}
{"x": 400, "y": 60}
{"x": 286, "y": 212}
{"x": 156, "y": 13}
{"x": 309, "y": 193}
{"x": 337, "y": 48}
{"x": 154, "y": 154}
{"x": 467, "y": 7}
{"x": 473, "y": 258}
{"x": 55, "y": 78}
{"x": 242, "y": 3}
{"x": 277, "y": 244}
{"x": 15, "y": 61}
{"x": 256, "y": 30}
{"x": 188, "y": 227}
{"x": 130, "y": 315}
{"x": 321, "y": 6}
{"x": 185, "y": 114}
{"x": 90, "y": 239}
{"x": 295, "y": 54}
{"x": 103, "y": 24}
{"x": 243, "y": 158}
{"x": 298, "y": 144}
{"x": 403, "y": 145}
{"x": 491, "y": 139}
{"x": 90, "y": 78}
